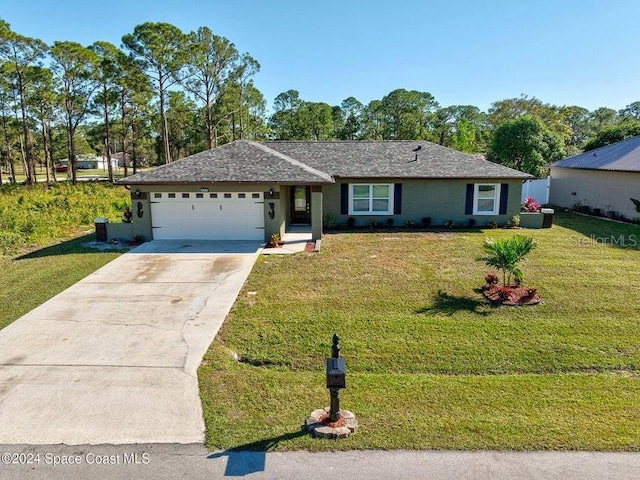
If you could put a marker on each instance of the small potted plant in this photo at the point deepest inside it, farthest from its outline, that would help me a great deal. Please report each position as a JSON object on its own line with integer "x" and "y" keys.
{"x": 276, "y": 241}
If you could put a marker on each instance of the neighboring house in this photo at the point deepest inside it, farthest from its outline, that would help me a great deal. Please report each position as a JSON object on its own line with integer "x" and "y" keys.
{"x": 92, "y": 163}
{"x": 605, "y": 178}
{"x": 248, "y": 190}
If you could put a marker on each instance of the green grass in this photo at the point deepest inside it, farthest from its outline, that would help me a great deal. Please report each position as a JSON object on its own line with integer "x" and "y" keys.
{"x": 29, "y": 280}
{"x": 431, "y": 364}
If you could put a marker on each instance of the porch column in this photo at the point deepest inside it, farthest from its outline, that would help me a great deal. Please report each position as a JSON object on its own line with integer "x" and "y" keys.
{"x": 316, "y": 212}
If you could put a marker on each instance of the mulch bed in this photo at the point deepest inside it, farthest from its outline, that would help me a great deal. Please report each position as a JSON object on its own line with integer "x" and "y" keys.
{"x": 511, "y": 296}
{"x": 326, "y": 421}
{"x": 310, "y": 247}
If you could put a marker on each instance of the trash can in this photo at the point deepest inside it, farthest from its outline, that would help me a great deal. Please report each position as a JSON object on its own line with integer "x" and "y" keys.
{"x": 547, "y": 217}
{"x": 101, "y": 228}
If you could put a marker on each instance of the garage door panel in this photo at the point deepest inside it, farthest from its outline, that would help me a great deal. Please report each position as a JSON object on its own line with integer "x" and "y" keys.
{"x": 208, "y": 218}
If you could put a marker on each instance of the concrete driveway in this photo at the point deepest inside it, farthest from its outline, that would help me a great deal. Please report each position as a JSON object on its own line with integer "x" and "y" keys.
{"x": 113, "y": 359}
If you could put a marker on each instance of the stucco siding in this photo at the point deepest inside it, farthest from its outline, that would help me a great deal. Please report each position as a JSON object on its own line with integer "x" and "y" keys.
{"x": 606, "y": 190}
{"x": 441, "y": 200}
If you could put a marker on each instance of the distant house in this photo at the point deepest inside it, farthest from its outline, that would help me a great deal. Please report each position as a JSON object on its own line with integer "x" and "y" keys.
{"x": 249, "y": 190}
{"x": 605, "y": 178}
{"x": 92, "y": 162}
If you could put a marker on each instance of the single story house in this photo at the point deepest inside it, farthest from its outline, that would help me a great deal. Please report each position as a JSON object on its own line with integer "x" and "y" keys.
{"x": 249, "y": 190}
{"x": 92, "y": 163}
{"x": 605, "y": 178}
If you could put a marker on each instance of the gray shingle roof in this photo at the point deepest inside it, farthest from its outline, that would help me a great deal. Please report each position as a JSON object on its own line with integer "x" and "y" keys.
{"x": 240, "y": 161}
{"x": 621, "y": 156}
{"x": 392, "y": 159}
{"x": 318, "y": 162}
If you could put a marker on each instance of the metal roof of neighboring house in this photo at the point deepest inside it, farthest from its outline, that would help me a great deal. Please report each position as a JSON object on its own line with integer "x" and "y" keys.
{"x": 621, "y": 156}
{"x": 301, "y": 162}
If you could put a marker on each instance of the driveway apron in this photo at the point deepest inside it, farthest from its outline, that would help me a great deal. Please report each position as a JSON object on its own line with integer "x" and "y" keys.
{"x": 113, "y": 359}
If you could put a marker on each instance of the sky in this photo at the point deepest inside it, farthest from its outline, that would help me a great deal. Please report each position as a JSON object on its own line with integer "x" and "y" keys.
{"x": 463, "y": 52}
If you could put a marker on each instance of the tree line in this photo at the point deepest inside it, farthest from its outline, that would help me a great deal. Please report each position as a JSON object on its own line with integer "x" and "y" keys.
{"x": 164, "y": 94}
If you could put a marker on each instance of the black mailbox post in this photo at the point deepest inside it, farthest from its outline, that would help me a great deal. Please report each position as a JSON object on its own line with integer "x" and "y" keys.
{"x": 336, "y": 378}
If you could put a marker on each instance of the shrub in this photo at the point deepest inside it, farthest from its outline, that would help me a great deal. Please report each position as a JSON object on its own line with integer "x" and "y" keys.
{"x": 409, "y": 223}
{"x": 426, "y": 221}
{"x": 275, "y": 239}
{"x": 515, "y": 221}
{"x": 491, "y": 279}
{"x": 373, "y": 224}
{"x": 530, "y": 205}
{"x": 492, "y": 224}
{"x": 351, "y": 222}
{"x": 328, "y": 221}
{"x": 472, "y": 222}
{"x": 389, "y": 222}
{"x": 506, "y": 254}
{"x": 448, "y": 224}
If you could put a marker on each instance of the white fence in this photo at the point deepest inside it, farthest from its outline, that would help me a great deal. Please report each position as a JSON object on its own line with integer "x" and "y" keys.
{"x": 538, "y": 189}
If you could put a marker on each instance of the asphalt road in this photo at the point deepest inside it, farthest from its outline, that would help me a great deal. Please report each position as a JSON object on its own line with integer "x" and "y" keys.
{"x": 170, "y": 461}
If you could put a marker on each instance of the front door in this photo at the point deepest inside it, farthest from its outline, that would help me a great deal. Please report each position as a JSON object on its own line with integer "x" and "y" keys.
{"x": 301, "y": 204}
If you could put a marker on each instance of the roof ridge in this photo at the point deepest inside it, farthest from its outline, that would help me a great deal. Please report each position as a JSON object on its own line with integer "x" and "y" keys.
{"x": 292, "y": 161}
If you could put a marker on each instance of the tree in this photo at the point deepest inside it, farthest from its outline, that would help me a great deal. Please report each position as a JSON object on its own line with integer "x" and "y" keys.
{"x": 525, "y": 144}
{"x": 506, "y": 254}
{"x": 578, "y": 120}
{"x": 631, "y": 112}
{"x": 283, "y": 120}
{"x": 74, "y": 67}
{"x": 134, "y": 93}
{"x": 107, "y": 72}
{"x": 214, "y": 62}
{"x": 160, "y": 50}
{"x": 550, "y": 115}
{"x": 181, "y": 124}
{"x": 21, "y": 53}
{"x": 613, "y": 134}
{"x": 8, "y": 130}
{"x": 408, "y": 114}
{"x": 247, "y": 69}
{"x": 352, "y": 111}
{"x": 41, "y": 99}
{"x": 314, "y": 121}
{"x": 373, "y": 120}
{"x": 603, "y": 117}
{"x": 250, "y": 106}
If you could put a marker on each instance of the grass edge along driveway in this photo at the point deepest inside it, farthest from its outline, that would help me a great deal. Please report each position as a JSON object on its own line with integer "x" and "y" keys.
{"x": 430, "y": 364}
{"x": 31, "y": 279}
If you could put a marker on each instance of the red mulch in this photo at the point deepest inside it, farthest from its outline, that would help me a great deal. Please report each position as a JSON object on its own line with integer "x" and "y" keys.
{"x": 511, "y": 296}
{"x": 341, "y": 422}
{"x": 310, "y": 247}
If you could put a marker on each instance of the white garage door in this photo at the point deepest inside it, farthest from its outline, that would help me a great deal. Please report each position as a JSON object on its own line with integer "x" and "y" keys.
{"x": 207, "y": 216}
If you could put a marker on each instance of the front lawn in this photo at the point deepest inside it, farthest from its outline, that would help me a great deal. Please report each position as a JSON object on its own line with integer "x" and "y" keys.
{"x": 430, "y": 363}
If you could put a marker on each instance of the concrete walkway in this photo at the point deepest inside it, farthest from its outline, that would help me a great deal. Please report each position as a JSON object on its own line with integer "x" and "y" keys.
{"x": 113, "y": 359}
{"x": 142, "y": 462}
{"x": 295, "y": 241}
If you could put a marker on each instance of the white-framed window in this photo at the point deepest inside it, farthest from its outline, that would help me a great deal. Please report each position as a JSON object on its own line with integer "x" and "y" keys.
{"x": 371, "y": 199}
{"x": 486, "y": 199}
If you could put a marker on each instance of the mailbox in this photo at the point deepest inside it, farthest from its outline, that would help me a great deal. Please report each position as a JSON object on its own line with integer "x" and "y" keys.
{"x": 336, "y": 373}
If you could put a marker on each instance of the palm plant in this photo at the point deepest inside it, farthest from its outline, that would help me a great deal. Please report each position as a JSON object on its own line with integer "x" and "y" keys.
{"x": 505, "y": 255}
